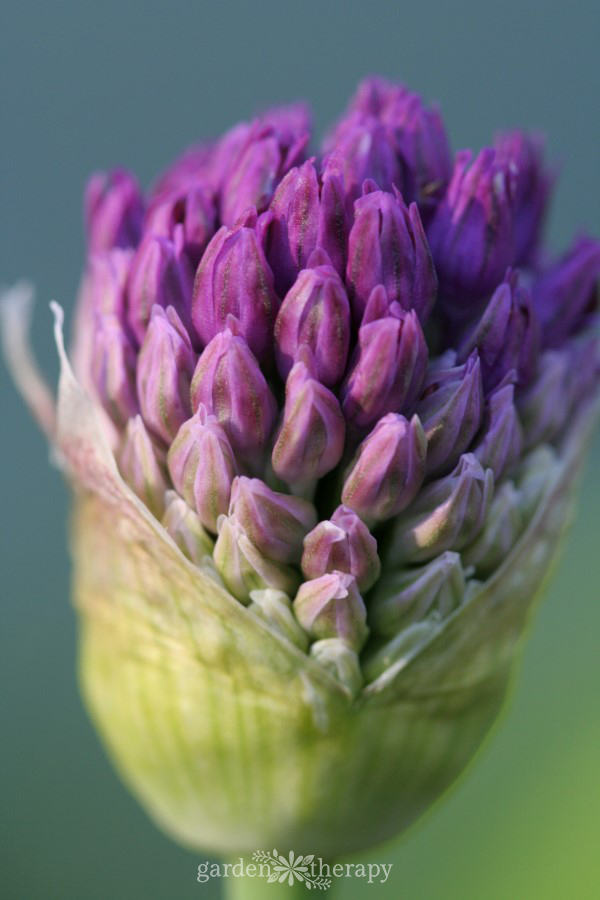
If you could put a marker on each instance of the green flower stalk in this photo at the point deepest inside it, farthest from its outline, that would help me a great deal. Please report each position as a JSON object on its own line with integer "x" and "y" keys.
{"x": 323, "y": 447}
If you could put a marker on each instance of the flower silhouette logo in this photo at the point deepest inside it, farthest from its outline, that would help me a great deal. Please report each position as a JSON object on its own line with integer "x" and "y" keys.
{"x": 291, "y": 869}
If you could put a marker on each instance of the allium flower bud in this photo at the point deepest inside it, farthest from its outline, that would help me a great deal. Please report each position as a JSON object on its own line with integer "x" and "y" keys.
{"x": 544, "y": 407}
{"x": 533, "y": 183}
{"x": 502, "y": 528}
{"x": 190, "y": 209}
{"x": 165, "y": 367}
{"x": 202, "y": 467}
{"x": 270, "y": 146}
{"x": 471, "y": 233}
{"x": 331, "y": 607}
{"x": 363, "y": 148}
{"x": 506, "y": 336}
{"x": 345, "y": 544}
{"x": 234, "y": 278}
{"x": 243, "y": 567}
{"x": 113, "y": 369}
{"x": 388, "y": 246}
{"x": 419, "y": 137}
{"x": 316, "y": 313}
{"x": 340, "y": 660}
{"x": 310, "y": 441}
{"x": 388, "y": 469}
{"x": 275, "y": 523}
{"x": 158, "y": 276}
{"x": 567, "y": 291}
{"x": 446, "y": 515}
{"x": 410, "y": 595}
{"x": 229, "y": 383}
{"x": 106, "y": 281}
{"x": 536, "y": 470}
{"x": 275, "y": 608}
{"x": 114, "y": 210}
{"x": 184, "y": 526}
{"x": 388, "y": 368}
{"x": 140, "y": 467}
{"x": 305, "y": 214}
{"x": 501, "y": 440}
{"x": 450, "y": 410}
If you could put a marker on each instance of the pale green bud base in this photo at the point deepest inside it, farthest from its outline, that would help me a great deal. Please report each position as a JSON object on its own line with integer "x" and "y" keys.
{"x": 235, "y": 741}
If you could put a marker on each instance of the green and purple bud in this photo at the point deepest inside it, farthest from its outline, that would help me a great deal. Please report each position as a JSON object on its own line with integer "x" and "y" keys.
{"x": 310, "y": 441}
{"x": 234, "y": 279}
{"x": 544, "y": 406}
{"x": 202, "y": 467}
{"x": 410, "y": 595}
{"x": 112, "y": 369}
{"x": 345, "y": 544}
{"x": 503, "y": 527}
{"x": 566, "y": 292}
{"x": 160, "y": 276}
{"x": 450, "y": 410}
{"x": 165, "y": 366}
{"x": 275, "y": 608}
{"x": 113, "y": 210}
{"x": 331, "y": 607}
{"x": 388, "y": 368}
{"x": 387, "y": 246}
{"x": 230, "y": 384}
{"x": 471, "y": 232}
{"x": 315, "y": 313}
{"x": 341, "y": 661}
{"x": 500, "y": 438}
{"x": 191, "y": 210}
{"x": 388, "y": 469}
{"x": 446, "y": 515}
{"x": 184, "y": 526}
{"x": 141, "y": 467}
{"x": 506, "y": 336}
{"x": 275, "y": 523}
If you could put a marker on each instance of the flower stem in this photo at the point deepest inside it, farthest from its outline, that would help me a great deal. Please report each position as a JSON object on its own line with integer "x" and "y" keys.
{"x": 257, "y": 887}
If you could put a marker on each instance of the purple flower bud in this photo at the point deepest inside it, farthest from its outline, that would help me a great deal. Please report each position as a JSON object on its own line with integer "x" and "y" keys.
{"x": 243, "y": 567}
{"x": 411, "y": 595}
{"x": 389, "y": 365}
{"x": 315, "y": 313}
{"x": 275, "y": 523}
{"x": 388, "y": 469}
{"x": 310, "y": 442}
{"x": 113, "y": 369}
{"x": 192, "y": 167}
{"x": 106, "y": 281}
{"x": 164, "y": 373}
{"x": 544, "y": 407}
{"x": 363, "y": 148}
{"x": 114, "y": 211}
{"x": 502, "y": 528}
{"x": 343, "y": 543}
{"x": 501, "y": 439}
{"x": 451, "y": 409}
{"x": 192, "y": 209}
{"x": 471, "y": 232}
{"x": 533, "y": 186}
{"x": 446, "y": 515}
{"x": 229, "y": 383}
{"x": 566, "y": 292}
{"x": 202, "y": 467}
{"x": 331, "y": 607}
{"x": 140, "y": 467}
{"x": 262, "y": 155}
{"x": 234, "y": 278}
{"x": 506, "y": 336}
{"x": 388, "y": 246}
{"x": 419, "y": 136}
{"x": 185, "y": 528}
{"x": 159, "y": 275}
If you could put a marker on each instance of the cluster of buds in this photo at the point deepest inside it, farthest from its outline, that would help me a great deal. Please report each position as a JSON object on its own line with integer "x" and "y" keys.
{"x": 340, "y": 385}
{"x": 334, "y": 362}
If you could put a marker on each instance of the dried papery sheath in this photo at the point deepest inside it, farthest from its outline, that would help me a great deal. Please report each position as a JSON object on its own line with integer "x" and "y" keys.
{"x": 314, "y": 497}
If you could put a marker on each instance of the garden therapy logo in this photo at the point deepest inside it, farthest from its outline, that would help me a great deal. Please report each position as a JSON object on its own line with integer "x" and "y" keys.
{"x": 313, "y": 873}
{"x": 292, "y": 868}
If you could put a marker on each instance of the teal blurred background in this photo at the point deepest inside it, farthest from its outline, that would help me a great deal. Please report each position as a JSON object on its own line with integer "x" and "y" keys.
{"x": 87, "y": 85}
